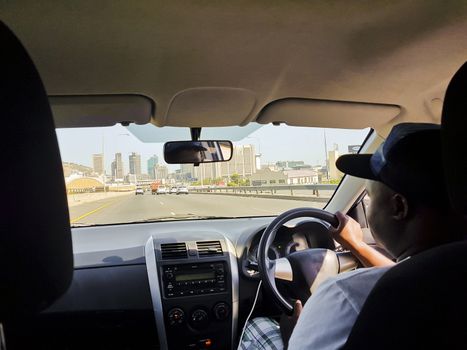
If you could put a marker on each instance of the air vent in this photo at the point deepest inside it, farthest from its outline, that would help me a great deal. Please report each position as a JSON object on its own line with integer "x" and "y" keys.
{"x": 173, "y": 251}
{"x": 209, "y": 248}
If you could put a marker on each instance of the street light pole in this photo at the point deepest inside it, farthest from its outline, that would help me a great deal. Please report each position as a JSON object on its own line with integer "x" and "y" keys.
{"x": 104, "y": 178}
{"x": 326, "y": 153}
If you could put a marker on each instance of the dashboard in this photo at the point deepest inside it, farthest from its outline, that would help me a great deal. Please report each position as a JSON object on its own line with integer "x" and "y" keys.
{"x": 127, "y": 294}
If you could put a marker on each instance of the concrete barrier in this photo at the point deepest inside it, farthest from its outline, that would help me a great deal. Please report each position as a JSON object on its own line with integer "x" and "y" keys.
{"x": 80, "y": 198}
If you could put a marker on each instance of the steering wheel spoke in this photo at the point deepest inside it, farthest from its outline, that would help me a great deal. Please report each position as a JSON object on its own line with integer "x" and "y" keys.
{"x": 282, "y": 269}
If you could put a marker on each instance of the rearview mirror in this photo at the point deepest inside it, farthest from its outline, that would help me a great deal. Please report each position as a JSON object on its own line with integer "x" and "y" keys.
{"x": 182, "y": 152}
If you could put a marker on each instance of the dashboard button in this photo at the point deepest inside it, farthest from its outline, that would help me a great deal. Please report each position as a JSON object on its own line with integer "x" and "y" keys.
{"x": 199, "y": 319}
{"x": 221, "y": 311}
{"x": 176, "y": 316}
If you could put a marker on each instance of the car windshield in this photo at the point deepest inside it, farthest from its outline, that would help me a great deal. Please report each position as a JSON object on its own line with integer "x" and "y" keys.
{"x": 118, "y": 174}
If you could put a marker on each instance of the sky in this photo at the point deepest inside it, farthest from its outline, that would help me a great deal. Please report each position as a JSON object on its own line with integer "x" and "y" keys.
{"x": 275, "y": 143}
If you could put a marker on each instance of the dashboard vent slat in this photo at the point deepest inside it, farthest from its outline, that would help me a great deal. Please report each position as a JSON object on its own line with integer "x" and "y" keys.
{"x": 209, "y": 248}
{"x": 173, "y": 251}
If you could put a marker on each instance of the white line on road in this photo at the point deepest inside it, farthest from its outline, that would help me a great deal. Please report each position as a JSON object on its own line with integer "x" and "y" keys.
{"x": 162, "y": 203}
{"x": 172, "y": 213}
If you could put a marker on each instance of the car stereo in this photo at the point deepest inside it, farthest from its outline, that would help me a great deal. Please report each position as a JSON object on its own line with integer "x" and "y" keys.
{"x": 193, "y": 279}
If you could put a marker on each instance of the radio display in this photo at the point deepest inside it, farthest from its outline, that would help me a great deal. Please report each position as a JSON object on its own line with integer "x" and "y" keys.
{"x": 208, "y": 275}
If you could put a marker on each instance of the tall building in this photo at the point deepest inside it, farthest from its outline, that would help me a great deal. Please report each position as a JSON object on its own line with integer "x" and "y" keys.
{"x": 135, "y": 164}
{"x": 333, "y": 172}
{"x": 152, "y": 162}
{"x": 207, "y": 171}
{"x": 98, "y": 163}
{"x": 243, "y": 162}
{"x": 187, "y": 171}
{"x": 117, "y": 167}
{"x": 161, "y": 172}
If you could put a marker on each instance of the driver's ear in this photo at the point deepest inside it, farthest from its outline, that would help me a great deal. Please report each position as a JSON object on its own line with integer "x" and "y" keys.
{"x": 399, "y": 207}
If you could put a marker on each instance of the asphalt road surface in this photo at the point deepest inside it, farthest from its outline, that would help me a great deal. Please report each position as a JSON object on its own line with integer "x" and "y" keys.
{"x": 131, "y": 207}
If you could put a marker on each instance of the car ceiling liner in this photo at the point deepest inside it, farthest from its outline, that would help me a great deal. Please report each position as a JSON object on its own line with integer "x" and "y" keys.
{"x": 215, "y": 107}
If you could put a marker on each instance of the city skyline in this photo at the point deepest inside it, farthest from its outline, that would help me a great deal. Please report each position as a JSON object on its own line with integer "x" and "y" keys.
{"x": 275, "y": 143}
{"x": 243, "y": 163}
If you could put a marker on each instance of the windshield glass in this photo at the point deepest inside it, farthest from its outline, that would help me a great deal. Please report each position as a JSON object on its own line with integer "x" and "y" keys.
{"x": 118, "y": 174}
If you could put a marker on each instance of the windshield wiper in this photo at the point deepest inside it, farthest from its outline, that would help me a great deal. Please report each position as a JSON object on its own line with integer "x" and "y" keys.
{"x": 175, "y": 217}
{"x": 184, "y": 217}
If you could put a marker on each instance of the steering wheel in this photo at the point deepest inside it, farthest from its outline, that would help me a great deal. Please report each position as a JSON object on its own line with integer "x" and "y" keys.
{"x": 303, "y": 270}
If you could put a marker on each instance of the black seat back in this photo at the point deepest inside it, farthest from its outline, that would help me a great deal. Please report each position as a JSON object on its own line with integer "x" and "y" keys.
{"x": 36, "y": 259}
{"x": 421, "y": 303}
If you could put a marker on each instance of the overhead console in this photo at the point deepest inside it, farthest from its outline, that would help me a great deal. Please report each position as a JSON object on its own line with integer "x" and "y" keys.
{"x": 194, "y": 289}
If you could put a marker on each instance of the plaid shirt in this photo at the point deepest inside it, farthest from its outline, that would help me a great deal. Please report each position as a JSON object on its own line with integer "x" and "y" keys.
{"x": 262, "y": 333}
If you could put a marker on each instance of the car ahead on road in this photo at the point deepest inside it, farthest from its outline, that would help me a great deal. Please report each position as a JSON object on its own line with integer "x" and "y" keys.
{"x": 182, "y": 190}
{"x": 283, "y": 84}
{"x": 139, "y": 191}
{"x": 161, "y": 190}
{"x": 173, "y": 190}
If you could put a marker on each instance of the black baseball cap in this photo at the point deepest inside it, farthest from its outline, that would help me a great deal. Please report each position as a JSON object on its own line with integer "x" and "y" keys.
{"x": 409, "y": 161}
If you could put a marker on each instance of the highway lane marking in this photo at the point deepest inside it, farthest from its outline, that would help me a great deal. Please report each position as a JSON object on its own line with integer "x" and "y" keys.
{"x": 91, "y": 212}
{"x": 172, "y": 213}
{"x": 162, "y": 203}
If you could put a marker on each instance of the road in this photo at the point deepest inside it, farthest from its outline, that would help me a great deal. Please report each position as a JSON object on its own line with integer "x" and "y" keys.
{"x": 133, "y": 207}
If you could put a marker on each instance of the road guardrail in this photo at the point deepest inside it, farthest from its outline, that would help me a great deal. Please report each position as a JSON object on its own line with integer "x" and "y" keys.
{"x": 279, "y": 191}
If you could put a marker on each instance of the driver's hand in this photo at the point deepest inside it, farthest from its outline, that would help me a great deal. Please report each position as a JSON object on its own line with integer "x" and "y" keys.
{"x": 349, "y": 234}
{"x": 288, "y": 323}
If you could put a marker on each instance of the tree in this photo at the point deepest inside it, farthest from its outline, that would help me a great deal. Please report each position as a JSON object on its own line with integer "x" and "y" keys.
{"x": 244, "y": 182}
{"x": 235, "y": 178}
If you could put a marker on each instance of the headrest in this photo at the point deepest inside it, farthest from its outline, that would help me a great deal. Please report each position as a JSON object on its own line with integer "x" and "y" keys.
{"x": 454, "y": 139}
{"x": 36, "y": 257}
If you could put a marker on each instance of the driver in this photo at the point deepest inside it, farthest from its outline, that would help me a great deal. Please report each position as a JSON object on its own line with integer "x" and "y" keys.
{"x": 408, "y": 213}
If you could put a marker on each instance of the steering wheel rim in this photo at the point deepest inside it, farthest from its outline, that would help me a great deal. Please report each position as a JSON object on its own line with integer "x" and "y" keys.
{"x": 264, "y": 263}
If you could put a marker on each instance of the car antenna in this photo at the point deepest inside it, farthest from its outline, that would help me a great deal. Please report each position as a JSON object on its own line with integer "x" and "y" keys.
{"x": 195, "y": 134}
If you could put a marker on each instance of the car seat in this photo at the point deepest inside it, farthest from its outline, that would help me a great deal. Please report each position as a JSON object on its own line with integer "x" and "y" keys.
{"x": 36, "y": 257}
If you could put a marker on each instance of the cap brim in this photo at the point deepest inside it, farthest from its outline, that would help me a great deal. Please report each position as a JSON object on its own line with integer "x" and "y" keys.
{"x": 357, "y": 165}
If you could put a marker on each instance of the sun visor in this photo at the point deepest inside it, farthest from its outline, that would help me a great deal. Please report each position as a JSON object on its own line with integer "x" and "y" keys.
{"x": 100, "y": 110}
{"x": 213, "y": 106}
{"x": 327, "y": 113}
{"x": 152, "y": 134}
